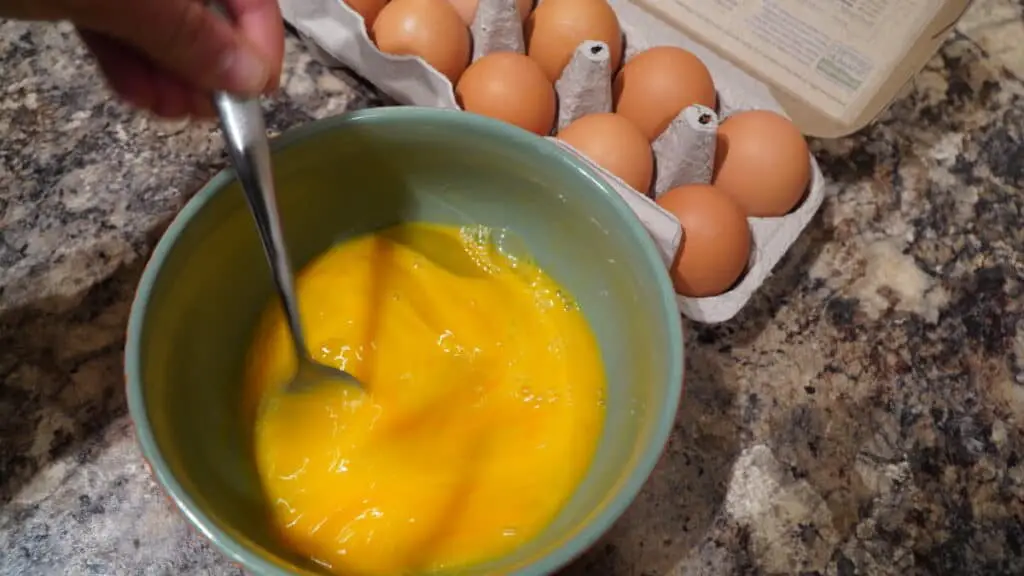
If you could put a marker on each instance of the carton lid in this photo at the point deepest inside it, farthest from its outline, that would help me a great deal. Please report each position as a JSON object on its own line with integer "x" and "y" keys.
{"x": 833, "y": 65}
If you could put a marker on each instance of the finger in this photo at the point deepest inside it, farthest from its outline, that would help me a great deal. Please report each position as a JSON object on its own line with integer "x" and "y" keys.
{"x": 192, "y": 42}
{"x": 128, "y": 74}
{"x": 202, "y": 106}
{"x": 132, "y": 77}
{"x": 174, "y": 98}
{"x": 178, "y": 100}
{"x": 260, "y": 21}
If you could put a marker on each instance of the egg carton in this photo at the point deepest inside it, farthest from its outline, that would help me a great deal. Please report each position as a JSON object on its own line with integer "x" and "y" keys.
{"x": 338, "y": 34}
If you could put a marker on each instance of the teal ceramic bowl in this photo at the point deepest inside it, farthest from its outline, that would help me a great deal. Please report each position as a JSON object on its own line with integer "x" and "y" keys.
{"x": 202, "y": 292}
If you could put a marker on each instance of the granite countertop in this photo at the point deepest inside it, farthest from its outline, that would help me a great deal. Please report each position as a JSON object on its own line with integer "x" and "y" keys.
{"x": 862, "y": 416}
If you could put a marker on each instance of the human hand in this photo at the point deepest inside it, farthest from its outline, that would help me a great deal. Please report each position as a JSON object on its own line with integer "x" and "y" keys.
{"x": 167, "y": 56}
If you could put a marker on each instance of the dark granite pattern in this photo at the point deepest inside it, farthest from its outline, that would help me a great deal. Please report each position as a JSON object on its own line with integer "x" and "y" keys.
{"x": 864, "y": 415}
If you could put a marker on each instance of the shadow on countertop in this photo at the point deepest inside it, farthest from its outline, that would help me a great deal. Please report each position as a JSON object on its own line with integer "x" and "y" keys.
{"x": 61, "y": 376}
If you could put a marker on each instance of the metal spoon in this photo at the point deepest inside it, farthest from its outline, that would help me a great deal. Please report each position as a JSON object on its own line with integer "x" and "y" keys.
{"x": 245, "y": 134}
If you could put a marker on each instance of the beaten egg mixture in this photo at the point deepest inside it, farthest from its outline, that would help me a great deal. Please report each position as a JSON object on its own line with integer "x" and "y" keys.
{"x": 483, "y": 408}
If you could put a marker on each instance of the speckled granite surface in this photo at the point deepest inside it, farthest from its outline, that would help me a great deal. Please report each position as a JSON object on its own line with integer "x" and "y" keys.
{"x": 865, "y": 415}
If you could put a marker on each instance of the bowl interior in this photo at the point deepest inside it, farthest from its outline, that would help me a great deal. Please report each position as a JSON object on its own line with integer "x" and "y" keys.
{"x": 202, "y": 293}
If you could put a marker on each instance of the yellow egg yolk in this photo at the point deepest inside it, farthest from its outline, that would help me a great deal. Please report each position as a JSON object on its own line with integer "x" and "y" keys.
{"x": 483, "y": 408}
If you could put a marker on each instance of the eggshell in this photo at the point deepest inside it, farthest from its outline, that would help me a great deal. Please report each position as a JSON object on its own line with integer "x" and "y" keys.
{"x": 654, "y": 86}
{"x": 430, "y": 29}
{"x": 716, "y": 240}
{"x": 368, "y": 9}
{"x": 615, "y": 144}
{"x": 557, "y": 27}
{"x": 509, "y": 87}
{"x": 467, "y": 9}
{"x": 762, "y": 161}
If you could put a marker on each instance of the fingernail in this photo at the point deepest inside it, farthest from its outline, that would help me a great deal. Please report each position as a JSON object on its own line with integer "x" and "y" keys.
{"x": 246, "y": 72}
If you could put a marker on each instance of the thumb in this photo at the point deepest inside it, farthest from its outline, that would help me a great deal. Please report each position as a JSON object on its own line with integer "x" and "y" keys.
{"x": 192, "y": 41}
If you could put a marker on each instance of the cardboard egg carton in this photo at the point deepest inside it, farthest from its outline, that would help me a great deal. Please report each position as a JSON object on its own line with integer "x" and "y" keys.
{"x": 854, "y": 59}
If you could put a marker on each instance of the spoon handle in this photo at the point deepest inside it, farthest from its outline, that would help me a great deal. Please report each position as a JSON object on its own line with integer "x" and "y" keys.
{"x": 245, "y": 136}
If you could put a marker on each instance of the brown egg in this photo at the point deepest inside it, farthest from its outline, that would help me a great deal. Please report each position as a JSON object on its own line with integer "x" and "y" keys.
{"x": 654, "y": 86}
{"x": 557, "y": 27}
{"x": 430, "y": 29}
{"x": 763, "y": 162}
{"x": 467, "y": 9}
{"x": 509, "y": 87}
{"x": 615, "y": 144}
{"x": 368, "y": 9}
{"x": 716, "y": 240}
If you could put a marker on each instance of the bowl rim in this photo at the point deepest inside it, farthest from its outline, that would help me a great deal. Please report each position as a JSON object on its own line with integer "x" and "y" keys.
{"x": 570, "y": 549}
